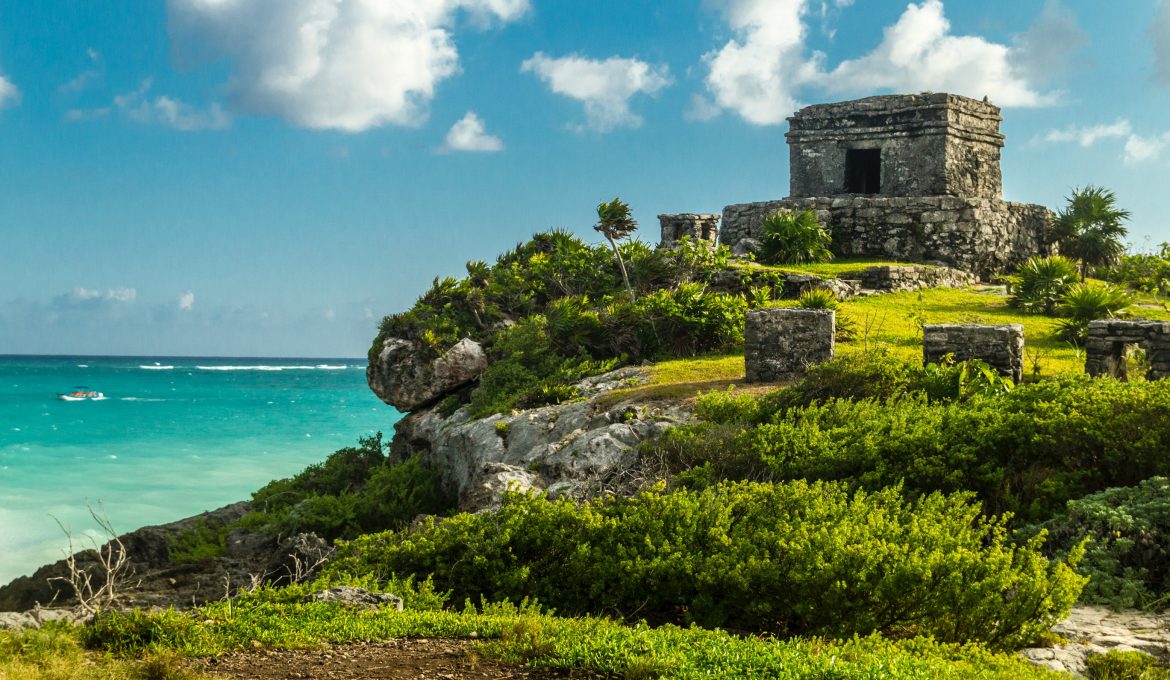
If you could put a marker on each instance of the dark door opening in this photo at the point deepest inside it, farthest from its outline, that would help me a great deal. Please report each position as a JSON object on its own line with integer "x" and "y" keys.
{"x": 863, "y": 171}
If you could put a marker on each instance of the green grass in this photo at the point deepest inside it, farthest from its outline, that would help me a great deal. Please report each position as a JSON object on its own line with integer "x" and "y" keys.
{"x": 521, "y": 635}
{"x": 833, "y": 268}
{"x": 679, "y": 379}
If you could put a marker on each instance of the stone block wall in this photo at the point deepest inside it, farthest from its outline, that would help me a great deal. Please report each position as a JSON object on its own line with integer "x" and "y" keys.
{"x": 982, "y": 236}
{"x": 1107, "y": 341}
{"x": 1002, "y": 346}
{"x": 930, "y": 144}
{"x": 780, "y": 344}
{"x": 891, "y": 279}
{"x": 698, "y": 226}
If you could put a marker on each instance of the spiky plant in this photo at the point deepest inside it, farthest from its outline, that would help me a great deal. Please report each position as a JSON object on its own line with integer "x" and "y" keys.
{"x": 1041, "y": 281}
{"x": 614, "y": 222}
{"x": 794, "y": 238}
{"x": 1082, "y": 303}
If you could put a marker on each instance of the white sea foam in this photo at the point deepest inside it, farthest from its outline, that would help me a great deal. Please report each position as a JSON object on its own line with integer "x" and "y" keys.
{"x": 156, "y": 367}
{"x": 143, "y": 399}
{"x": 265, "y": 367}
{"x": 83, "y": 365}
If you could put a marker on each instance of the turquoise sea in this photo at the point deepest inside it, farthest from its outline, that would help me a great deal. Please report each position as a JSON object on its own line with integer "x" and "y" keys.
{"x": 174, "y": 436}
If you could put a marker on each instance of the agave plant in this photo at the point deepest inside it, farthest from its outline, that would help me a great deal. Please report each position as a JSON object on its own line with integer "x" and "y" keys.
{"x": 1082, "y": 303}
{"x": 1041, "y": 281}
{"x": 794, "y": 238}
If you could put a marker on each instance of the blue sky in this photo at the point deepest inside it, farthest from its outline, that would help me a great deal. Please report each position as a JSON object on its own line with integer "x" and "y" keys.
{"x": 271, "y": 177}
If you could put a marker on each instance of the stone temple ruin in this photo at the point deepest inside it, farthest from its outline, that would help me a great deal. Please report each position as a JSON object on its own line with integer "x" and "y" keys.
{"x": 904, "y": 177}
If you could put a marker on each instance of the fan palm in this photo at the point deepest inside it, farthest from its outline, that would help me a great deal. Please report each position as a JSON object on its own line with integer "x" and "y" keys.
{"x": 614, "y": 222}
{"x": 1090, "y": 227}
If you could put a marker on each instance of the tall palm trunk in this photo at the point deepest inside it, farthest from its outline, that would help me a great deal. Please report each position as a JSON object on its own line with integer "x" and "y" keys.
{"x": 621, "y": 265}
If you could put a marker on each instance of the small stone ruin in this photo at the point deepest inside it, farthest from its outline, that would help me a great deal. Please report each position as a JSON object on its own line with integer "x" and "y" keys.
{"x": 698, "y": 227}
{"x": 780, "y": 344}
{"x": 1002, "y": 346}
{"x": 1111, "y": 343}
{"x": 911, "y": 177}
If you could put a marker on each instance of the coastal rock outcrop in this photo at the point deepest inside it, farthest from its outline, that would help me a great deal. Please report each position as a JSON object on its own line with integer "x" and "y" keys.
{"x": 1096, "y": 630}
{"x": 576, "y": 449}
{"x": 404, "y": 377}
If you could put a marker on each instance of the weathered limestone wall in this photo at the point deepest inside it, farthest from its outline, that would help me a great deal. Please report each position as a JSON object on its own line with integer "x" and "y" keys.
{"x": 981, "y": 236}
{"x": 1105, "y": 347}
{"x": 1002, "y": 346}
{"x": 931, "y": 145}
{"x": 779, "y": 344}
{"x": 890, "y": 279}
{"x": 699, "y": 227}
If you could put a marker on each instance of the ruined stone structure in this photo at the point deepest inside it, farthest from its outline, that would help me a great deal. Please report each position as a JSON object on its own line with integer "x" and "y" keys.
{"x": 1002, "y": 346}
{"x": 779, "y": 344}
{"x": 906, "y": 177}
{"x": 1110, "y": 340}
{"x": 698, "y": 227}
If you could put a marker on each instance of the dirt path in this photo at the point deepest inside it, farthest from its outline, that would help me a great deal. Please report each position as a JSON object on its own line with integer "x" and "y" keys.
{"x": 394, "y": 659}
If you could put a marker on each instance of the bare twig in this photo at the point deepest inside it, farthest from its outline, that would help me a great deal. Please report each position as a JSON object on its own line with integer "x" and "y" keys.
{"x": 97, "y": 587}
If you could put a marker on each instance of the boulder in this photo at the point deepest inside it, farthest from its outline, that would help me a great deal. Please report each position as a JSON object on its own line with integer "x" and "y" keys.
{"x": 745, "y": 247}
{"x": 404, "y": 376}
{"x": 359, "y": 598}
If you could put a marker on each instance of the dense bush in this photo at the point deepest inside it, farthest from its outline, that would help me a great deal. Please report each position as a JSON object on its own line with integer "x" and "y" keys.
{"x": 1147, "y": 272}
{"x": 1128, "y": 554}
{"x": 356, "y": 490}
{"x": 793, "y": 558}
{"x": 1026, "y": 451}
{"x": 1041, "y": 282}
{"x": 789, "y": 237}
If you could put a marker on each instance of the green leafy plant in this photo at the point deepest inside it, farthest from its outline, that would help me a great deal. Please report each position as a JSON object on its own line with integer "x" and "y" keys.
{"x": 1040, "y": 283}
{"x": 614, "y": 223}
{"x": 1090, "y": 227}
{"x": 1083, "y": 303}
{"x": 790, "y": 237}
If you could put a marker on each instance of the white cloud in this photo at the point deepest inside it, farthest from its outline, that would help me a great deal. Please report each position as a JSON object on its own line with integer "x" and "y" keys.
{"x": 919, "y": 53}
{"x": 1160, "y": 34}
{"x": 331, "y": 64}
{"x": 468, "y": 134}
{"x": 605, "y": 87}
{"x": 702, "y": 109}
{"x": 757, "y": 73}
{"x": 1139, "y": 149}
{"x": 9, "y": 94}
{"x": 97, "y": 69}
{"x": 1087, "y": 135}
{"x": 92, "y": 298}
{"x": 187, "y": 301}
{"x": 163, "y": 110}
{"x": 762, "y": 71}
{"x": 122, "y": 294}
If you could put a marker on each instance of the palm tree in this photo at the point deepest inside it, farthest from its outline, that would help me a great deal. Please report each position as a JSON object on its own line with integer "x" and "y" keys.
{"x": 1089, "y": 228}
{"x": 614, "y": 222}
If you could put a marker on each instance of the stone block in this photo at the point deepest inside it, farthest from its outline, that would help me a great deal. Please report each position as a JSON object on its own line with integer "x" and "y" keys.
{"x": 780, "y": 344}
{"x": 1001, "y": 346}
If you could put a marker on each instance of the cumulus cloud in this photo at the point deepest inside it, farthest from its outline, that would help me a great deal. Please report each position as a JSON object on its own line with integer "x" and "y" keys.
{"x": 163, "y": 110}
{"x": 762, "y": 71}
{"x": 1087, "y": 135}
{"x": 331, "y": 64}
{"x": 1139, "y": 148}
{"x": 919, "y": 52}
{"x": 468, "y": 134}
{"x": 756, "y": 74}
{"x": 92, "y": 74}
{"x": 9, "y": 94}
{"x": 92, "y": 298}
{"x": 187, "y": 301}
{"x": 605, "y": 87}
{"x": 1160, "y": 34}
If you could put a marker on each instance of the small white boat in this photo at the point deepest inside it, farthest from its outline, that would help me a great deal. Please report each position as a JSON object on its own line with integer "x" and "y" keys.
{"x": 81, "y": 393}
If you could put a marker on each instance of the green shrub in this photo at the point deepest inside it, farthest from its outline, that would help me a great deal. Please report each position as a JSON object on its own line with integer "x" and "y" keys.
{"x": 794, "y": 558}
{"x": 818, "y": 298}
{"x": 1117, "y": 665}
{"x": 1082, "y": 303}
{"x": 1128, "y": 554}
{"x": 1040, "y": 283}
{"x": 789, "y": 237}
{"x": 356, "y": 490}
{"x": 1028, "y": 451}
{"x": 1147, "y": 272}
{"x": 203, "y": 539}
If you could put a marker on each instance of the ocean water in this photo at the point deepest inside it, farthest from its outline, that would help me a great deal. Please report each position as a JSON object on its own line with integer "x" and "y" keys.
{"x": 173, "y": 437}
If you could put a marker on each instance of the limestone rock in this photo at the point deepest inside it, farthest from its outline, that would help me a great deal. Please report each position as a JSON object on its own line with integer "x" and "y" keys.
{"x": 403, "y": 377}
{"x": 572, "y": 449}
{"x": 746, "y": 246}
{"x": 1095, "y": 630}
{"x": 357, "y": 597}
